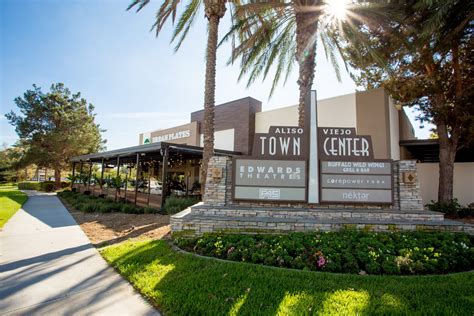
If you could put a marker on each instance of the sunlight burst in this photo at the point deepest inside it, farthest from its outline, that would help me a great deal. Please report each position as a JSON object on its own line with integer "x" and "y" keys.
{"x": 337, "y": 9}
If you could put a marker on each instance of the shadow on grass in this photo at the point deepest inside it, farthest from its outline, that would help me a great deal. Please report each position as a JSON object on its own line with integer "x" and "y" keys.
{"x": 14, "y": 195}
{"x": 132, "y": 234}
{"x": 183, "y": 284}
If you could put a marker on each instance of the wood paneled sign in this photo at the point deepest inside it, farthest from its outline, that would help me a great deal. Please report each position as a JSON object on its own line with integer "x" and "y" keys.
{"x": 343, "y": 143}
{"x": 277, "y": 169}
{"x": 281, "y": 142}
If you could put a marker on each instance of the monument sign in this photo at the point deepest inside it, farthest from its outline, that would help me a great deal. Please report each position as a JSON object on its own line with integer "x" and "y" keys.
{"x": 313, "y": 165}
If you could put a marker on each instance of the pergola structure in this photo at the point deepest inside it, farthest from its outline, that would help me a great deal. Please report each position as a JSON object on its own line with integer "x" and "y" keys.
{"x": 427, "y": 150}
{"x": 150, "y": 161}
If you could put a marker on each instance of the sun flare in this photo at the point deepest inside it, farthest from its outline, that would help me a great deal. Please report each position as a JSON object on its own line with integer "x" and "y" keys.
{"x": 337, "y": 9}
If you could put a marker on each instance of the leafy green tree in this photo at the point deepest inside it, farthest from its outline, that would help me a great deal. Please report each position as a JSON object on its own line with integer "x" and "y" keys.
{"x": 55, "y": 126}
{"x": 214, "y": 10}
{"x": 7, "y": 171}
{"x": 427, "y": 46}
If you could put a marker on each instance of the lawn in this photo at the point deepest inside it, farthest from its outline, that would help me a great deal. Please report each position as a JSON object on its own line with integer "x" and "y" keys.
{"x": 11, "y": 199}
{"x": 182, "y": 284}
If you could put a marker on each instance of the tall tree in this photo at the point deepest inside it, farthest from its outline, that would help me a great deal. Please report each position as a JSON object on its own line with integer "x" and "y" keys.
{"x": 14, "y": 162}
{"x": 55, "y": 126}
{"x": 428, "y": 47}
{"x": 214, "y": 10}
{"x": 275, "y": 33}
{"x": 278, "y": 33}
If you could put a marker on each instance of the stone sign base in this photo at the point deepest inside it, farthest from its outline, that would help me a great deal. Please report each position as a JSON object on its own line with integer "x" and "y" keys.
{"x": 219, "y": 213}
{"x": 201, "y": 219}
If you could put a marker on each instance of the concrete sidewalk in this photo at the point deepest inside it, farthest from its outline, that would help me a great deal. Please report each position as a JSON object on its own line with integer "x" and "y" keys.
{"x": 49, "y": 267}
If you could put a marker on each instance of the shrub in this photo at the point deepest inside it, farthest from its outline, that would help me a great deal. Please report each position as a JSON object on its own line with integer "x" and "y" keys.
{"x": 88, "y": 207}
{"x": 29, "y": 186}
{"x": 347, "y": 251}
{"x": 104, "y": 208}
{"x": 150, "y": 210}
{"x": 47, "y": 186}
{"x": 131, "y": 209}
{"x": 467, "y": 211}
{"x": 91, "y": 203}
{"x": 174, "y": 204}
{"x": 449, "y": 208}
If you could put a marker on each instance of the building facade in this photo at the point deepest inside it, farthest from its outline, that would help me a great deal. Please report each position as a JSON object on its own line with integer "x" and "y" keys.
{"x": 371, "y": 113}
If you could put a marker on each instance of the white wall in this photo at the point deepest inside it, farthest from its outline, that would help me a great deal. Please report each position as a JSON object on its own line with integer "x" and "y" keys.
{"x": 338, "y": 111}
{"x": 222, "y": 139}
{"x": 287, "y": 116}
{"x": 394, "y": 117}
{"x": 333, "y": 112}
{"x": 428, "y": 175}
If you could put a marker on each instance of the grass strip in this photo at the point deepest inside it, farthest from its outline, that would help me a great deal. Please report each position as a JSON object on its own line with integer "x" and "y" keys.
{"x": 183, "y": 284}
{"x": 11, "y": 200}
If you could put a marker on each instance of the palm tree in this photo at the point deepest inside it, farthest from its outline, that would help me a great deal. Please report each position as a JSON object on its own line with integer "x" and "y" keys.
{"x": 214, "y": 10}
{"x": 277, "y": 33}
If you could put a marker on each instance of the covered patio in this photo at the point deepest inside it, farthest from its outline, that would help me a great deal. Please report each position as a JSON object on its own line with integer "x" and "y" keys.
{"x": 142, "y": 175}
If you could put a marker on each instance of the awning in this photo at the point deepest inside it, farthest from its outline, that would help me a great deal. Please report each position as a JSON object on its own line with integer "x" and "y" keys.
{"x": 149, "y": 151}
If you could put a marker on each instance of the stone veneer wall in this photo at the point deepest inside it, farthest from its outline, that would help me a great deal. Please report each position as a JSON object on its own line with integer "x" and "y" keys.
{"x": 219, "y": 213}
{"x": 407, "y": 196}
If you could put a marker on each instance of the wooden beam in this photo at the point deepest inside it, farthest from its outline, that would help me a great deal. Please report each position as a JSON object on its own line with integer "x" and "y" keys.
{"x": 102, "y": 176}
{"x": 89, "y": 178}
{"x": 117, "y": 175}
{"x": 73, "y": 174}
{"x": 164, "y": 176}
{"x": 136, "y": 178}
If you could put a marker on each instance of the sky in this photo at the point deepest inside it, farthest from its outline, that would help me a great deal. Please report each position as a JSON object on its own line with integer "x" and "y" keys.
{"x": 136, "y": 81}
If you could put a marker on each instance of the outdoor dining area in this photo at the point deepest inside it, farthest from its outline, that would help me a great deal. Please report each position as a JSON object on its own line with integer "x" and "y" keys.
{"x": 143, "y": 175}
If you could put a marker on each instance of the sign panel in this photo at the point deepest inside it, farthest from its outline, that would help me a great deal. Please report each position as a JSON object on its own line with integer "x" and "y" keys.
{"x": 270, "y": 193}
{"x": 272, "y": 180}
{"x": 356, "y": 182}
{"x": 184, "y": 134}
{"x": 356, "y": 196}
{"x": 276, "y": 173}
{"x": 281, "y": 142}
{"x": 348, "y": 167}
{"x": 343, "y": 143}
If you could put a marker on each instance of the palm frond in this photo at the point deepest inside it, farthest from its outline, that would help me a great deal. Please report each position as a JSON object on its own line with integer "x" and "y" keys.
{"x": 139, "y": 3}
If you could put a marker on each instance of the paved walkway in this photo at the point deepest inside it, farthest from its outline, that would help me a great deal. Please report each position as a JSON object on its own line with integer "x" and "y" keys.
{"x": 49, "y": 267}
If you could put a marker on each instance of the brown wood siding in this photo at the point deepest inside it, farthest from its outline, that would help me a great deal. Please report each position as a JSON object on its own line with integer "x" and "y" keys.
{"x": 238, "y": 115}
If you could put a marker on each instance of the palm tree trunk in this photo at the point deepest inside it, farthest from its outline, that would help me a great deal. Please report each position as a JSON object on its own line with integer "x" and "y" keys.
{"x": 214, "y": 11}
{"x": 306, "y": 29}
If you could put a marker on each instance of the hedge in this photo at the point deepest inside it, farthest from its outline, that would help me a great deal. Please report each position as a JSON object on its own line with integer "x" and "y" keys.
{"x": 174, "y": 204}
{"x": 47, "y": 186}
{"x": 94, "y": 204}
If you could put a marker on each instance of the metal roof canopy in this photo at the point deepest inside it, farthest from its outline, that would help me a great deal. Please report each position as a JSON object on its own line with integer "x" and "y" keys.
{"x": 149, "y": 151}
{"x": 427, "y": 150}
